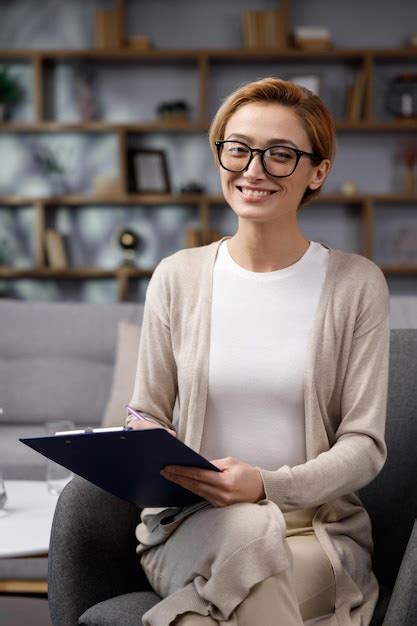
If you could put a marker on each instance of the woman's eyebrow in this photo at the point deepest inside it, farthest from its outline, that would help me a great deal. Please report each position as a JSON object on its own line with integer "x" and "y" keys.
{"x": 274, "y": 140}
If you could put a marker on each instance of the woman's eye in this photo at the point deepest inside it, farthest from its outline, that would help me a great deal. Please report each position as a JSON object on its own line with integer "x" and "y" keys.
{"x": 237, "y": 149}
{"x": 279, "y": 153}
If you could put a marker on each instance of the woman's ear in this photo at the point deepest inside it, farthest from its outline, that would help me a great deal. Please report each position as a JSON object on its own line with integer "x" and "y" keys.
{"x": 319, "y": 174}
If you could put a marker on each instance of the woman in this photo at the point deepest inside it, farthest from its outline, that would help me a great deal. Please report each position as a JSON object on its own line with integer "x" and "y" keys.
{"x": 276, "y": 349}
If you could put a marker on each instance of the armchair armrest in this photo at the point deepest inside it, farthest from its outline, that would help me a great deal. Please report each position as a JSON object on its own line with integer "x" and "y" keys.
{"x": 402, "y": 608}
{"x": 92, "y": 551}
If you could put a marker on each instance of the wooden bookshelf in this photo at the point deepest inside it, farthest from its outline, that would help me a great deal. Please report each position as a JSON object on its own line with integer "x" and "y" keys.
{"x": 203, "y": 60}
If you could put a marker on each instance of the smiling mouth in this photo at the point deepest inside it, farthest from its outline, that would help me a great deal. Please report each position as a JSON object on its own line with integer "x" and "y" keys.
{"x": 255, "y": 193}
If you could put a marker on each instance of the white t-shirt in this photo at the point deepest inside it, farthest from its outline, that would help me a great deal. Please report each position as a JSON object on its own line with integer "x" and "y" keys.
{"x": 260, "y": 326}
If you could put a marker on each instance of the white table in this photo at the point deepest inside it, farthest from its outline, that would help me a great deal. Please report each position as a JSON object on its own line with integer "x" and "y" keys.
{"x": 25, "y": 526}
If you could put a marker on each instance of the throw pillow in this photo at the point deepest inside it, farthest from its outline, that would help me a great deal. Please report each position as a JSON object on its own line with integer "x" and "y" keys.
{"x": 128, "y": 337}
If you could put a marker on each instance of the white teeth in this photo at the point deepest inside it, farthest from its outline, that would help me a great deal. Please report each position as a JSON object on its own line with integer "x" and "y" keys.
{"x": 255, "y": 192}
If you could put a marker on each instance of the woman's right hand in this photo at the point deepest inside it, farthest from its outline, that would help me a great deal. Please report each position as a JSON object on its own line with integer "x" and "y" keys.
{"x": 146, "y": 424}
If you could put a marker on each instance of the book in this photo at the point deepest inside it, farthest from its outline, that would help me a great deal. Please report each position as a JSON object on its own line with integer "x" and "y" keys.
{"x": 107, "y": 29}
{"x": 265, "y": 29}
{"x": 55, "y": 249}
{"x": 356, "y": 96}
{"x": 125, "y": 462}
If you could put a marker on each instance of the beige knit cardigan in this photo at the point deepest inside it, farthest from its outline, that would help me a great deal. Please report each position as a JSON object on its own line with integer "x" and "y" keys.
{"x": 345, "y": 397}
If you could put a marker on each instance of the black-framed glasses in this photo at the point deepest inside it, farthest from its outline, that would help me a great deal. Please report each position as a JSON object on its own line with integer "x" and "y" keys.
{"x": 278, "y": 161}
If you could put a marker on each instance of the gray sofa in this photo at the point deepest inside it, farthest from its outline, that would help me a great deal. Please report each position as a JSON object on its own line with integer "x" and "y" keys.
{"x": 56, "y": 362}
{"x": 95, "y": 577}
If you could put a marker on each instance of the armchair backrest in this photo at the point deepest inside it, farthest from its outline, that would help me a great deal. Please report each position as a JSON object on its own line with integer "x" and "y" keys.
{"x": 391, "y": 499}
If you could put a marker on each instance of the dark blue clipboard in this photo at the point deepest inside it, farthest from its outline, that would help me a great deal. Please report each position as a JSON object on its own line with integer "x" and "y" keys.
{"x": 126, "y": 463}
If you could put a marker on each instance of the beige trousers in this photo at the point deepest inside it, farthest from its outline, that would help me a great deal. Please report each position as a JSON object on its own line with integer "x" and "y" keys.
{"x": 240, "y": 565}
{"x": 304, "y": 591}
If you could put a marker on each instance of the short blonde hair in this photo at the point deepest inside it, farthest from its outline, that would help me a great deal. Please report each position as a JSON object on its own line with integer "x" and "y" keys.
{"x": 311, "y": 110}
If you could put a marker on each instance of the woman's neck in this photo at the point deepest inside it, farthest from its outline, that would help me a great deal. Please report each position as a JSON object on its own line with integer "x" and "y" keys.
{"x": 266, "y": 253}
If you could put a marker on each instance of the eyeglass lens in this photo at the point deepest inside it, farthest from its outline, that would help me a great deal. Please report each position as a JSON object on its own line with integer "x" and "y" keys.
{"x": 278, "y": 160}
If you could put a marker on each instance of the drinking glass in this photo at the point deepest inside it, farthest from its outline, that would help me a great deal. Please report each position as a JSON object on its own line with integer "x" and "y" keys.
{"x": 57, "y": 476}
{"x": 3, "y": 494}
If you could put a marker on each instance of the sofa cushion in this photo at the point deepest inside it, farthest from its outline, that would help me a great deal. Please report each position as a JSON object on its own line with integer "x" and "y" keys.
{"x": 126, "y": 609}
{"x": 53, "y": 387}
{"x": 56, "y": 359}
{"x": 128, "y": 337}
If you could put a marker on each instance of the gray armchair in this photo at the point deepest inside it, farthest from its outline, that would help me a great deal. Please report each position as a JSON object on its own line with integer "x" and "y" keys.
{"x": 94, "y": 575}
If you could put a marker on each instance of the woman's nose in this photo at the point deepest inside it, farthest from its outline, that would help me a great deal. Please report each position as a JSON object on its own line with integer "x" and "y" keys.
{"x": 255, "y": 168}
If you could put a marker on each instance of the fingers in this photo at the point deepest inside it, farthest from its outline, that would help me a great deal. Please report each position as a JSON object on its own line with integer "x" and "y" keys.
{"x": 143, "y": 425}
{"x": 198, "y": 475}
{"x": 204, "y": 490}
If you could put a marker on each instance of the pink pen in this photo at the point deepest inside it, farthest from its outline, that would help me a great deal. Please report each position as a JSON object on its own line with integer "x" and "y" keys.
{"x": 139, "y": 416}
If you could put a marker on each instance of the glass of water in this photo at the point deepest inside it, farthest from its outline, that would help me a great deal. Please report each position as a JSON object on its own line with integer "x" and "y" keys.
{"x": 57, "y": 476}
{"x": 3, "y": 494}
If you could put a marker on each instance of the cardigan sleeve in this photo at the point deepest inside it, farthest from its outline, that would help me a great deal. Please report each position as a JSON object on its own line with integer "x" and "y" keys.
{"x": 155, "y": 387}
{"x": 359, "y": 451}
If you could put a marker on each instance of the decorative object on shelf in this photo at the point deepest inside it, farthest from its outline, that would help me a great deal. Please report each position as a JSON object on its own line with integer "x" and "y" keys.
{"x": 413, "y": 40}
{"x": 409, "y": 158}
{"x": 55, "y": 249}
{"x": 147, "y": 171}
{"x": 128, "y": 240}
{"x": 311, "y": 38}
{"x": 11, "y": 93}
{"x": 140, "y": 43}
{"x": 49, "y": 164}
{"x": 355, "y": 97}
{"x": 309, "y": 81}
{"x": 192, "y": 187}
{"x": 86, "y": 98}
{"x": 349, "y": 188}
{"x": 5, "y": 256}
{"x": 107, "y": 30}
{"x": 195, "y": 237}
{"x": 402, "y": 95}
{"x": 266, "y": 29}
{"x": 108, "y": 186}
{"x": 174, "y": 111}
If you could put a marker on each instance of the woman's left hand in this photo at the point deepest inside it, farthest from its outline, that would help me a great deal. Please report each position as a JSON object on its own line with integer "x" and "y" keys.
{"x": 238, "y": 481}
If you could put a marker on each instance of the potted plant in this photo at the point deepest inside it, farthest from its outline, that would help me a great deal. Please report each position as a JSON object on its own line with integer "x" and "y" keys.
{"x": 10, "y": 92}
{"x": 173, "y": 110}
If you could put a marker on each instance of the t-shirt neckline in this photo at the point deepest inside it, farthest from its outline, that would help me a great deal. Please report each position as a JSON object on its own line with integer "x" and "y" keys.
{"x": 280, "y": 273}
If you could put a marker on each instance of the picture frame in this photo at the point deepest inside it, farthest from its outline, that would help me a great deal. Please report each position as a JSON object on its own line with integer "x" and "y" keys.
{"x": 147, "y": 171}
{"x": 313, "y": 82}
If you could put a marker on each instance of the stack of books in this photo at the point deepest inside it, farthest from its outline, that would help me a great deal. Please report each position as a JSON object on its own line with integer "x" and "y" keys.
{"x": 312, "y": 38}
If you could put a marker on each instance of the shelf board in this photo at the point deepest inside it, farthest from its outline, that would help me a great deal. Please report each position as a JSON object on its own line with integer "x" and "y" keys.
{"x": 94, "y": 273}
{"x": 175, "y": 199}
{"x": 400, "y": 268}
{"x": 400, "y": 198}
{"x": 150, "y": 199}
{"x": 176, "y": 126}
{"x": 102, "y": 127}
{"x": 165, "y": 54}
{"x": 377, "y": 125}
{"x": 73, "y": 272}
